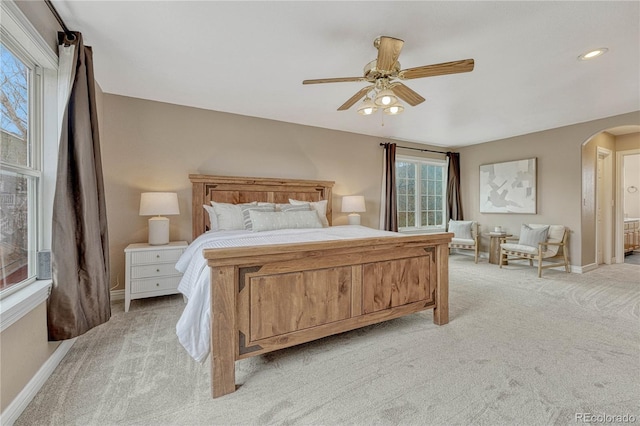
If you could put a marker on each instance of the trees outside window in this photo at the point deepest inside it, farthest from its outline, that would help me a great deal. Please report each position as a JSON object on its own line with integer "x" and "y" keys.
{"x": 20, "y": 172}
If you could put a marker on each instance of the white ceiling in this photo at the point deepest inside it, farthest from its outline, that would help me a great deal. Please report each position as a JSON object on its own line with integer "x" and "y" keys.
{"x": 250, "y": 58}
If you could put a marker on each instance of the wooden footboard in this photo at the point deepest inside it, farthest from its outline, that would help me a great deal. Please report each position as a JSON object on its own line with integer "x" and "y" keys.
{"x": 270, "y": 297}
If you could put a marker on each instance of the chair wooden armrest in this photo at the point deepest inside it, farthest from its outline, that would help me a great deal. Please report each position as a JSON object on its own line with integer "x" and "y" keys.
{"x": 546, "y": 243}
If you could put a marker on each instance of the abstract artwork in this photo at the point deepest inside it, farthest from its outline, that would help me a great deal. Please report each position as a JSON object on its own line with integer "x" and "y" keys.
{"x": 508, "y": 187}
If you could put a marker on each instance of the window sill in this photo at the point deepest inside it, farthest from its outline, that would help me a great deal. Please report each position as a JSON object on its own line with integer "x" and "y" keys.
{"x": 19, "y": 304}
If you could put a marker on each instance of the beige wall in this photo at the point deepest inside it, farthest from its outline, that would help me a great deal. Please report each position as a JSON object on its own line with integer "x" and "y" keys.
{"x": 559, "y": 186}
{"x": 153, "y": 146}
{"x": 41, "y": 18}
{"x": 23, "y": 350}
{"x": 628, "y": 142}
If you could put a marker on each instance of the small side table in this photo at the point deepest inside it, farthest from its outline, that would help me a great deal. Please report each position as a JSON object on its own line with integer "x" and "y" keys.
{"x": 150, "y": 270}
{"x": 494, "y": 247}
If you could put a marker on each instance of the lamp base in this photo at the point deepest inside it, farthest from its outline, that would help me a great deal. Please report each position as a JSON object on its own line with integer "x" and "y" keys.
{"x": 354, "y": 219}
{"x": 158, "y": 231}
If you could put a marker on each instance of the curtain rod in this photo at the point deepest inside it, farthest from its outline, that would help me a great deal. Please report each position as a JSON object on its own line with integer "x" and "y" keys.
{"x": 419, "y": 149}
{"x": 53, "y": 10}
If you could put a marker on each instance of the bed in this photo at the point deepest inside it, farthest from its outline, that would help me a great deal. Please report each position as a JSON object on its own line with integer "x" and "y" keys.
{"x": 311, "y": 284}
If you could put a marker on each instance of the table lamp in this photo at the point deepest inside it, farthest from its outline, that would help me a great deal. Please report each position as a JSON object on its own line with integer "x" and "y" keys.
{"x": 353, "y": 204}
{"x": 157, "y": 204}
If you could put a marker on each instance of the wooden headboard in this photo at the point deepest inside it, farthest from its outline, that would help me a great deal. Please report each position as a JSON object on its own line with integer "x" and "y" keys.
{"x": 236, "y": 190}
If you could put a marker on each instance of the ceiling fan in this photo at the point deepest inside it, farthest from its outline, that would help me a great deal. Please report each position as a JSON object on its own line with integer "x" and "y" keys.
{"x": 382, "y": 72}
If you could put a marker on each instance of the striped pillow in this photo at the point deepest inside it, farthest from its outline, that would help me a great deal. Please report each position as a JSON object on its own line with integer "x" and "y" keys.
{"x": 246, "y": 216}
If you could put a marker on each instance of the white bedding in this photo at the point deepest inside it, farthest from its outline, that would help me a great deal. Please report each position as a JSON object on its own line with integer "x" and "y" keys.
{"x": 193, "y": 326}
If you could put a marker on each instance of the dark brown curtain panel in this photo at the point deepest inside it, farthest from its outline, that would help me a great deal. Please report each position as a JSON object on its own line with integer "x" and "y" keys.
{"x": 391, "y": 198}
{"x": 454, "y": 201}
{"x": 79, "y": 297}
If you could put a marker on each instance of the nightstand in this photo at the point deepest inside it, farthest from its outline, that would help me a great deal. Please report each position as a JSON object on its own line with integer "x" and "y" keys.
{"x": 150, "y": 270}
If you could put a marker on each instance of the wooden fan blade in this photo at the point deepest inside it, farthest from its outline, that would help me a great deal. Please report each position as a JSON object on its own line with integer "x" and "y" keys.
{"x": 388, "y": 52}
{"x": 333, "y": 80}
{"x": 409, "y": 96}
{"x": 355, "y": 98}
{"x": 444, "y": 68}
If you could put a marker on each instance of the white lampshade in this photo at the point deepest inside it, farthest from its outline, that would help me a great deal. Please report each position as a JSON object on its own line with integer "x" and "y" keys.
{"x": 385, "y": 98}
{"x": 367, "y": 107}
{"x": 159, "y": 203}
{"x": 394, "y": 109}
{"x": 353, "y": 204}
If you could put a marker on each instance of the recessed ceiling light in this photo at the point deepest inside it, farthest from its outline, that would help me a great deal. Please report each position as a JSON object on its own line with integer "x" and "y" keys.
{"x": 593, "y": 54}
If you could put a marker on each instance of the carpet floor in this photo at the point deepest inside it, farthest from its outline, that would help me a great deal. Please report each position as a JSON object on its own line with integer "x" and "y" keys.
{"x": 518, "y": 350}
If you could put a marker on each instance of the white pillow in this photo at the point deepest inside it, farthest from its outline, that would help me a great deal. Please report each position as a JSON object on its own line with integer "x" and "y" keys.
{"x": 213, "y": 219}
{"x": 319, "y": 206}
{"x": 461, "y": 228}
{"x": 269, "y": 221}
{"x": 246, "y": 209}
{"x": 294, "y": 207}
{"x": 229, "y": 216}
{"x": 531, "y": 236}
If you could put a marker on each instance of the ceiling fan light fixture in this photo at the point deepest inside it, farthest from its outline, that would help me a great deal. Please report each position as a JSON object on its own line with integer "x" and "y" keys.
{"x": 385, "y": 98}
{"x": 394, "y": 109}
{"x": 367, "y": 107}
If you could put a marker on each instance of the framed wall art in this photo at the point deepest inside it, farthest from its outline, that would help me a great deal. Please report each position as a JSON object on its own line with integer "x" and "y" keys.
{"x": 508, "y": 187}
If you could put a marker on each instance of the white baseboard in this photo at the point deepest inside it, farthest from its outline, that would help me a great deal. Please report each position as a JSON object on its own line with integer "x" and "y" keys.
{"x": 117, "y": 295}
{"x": 583, "y": 269}
{"x": 17, "y": 406}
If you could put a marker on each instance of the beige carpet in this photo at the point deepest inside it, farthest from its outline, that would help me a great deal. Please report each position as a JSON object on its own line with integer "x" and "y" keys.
{"x": 518, "y": 350}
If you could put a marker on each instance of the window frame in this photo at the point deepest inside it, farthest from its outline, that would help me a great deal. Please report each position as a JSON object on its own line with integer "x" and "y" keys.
{"x": 417, "y": 209}
{"x": 24, "y": 41}
{"x": 32, "y": 170}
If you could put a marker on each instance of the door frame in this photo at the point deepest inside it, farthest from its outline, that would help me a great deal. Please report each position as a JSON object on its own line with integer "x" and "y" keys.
{"x": 607, "y": 209}
{"x": 620, "y": 202}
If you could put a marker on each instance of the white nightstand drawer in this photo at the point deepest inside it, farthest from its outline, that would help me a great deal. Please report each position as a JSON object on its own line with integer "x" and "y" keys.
{"x": 155, "y": 256}
{"x": 147, "y": 285}
{"x": 150, "y": 270}
{"x": 158, "y": 270}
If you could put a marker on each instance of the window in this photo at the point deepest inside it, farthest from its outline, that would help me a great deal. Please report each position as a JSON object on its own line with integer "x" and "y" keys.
{"x": 421, "y": 189}
{"x": 28, "y": 134}
{"x": 20, "y": 172}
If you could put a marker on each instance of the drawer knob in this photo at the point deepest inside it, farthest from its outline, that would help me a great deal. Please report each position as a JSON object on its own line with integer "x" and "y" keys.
{"x": 157, "y": 270}
{"x": 157, "y": 284}
{"x": 157, "y": 256}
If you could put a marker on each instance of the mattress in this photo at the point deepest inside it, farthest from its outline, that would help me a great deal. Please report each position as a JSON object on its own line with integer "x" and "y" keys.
{"x": 193, "y": 328}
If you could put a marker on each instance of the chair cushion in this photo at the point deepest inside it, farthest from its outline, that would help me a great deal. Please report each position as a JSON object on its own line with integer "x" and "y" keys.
{"x": 528, "y": 250}
{"x": 556, "y": 234}
{"x": 533, "y": 235}
{"x": 519, "y": 248}
{"x": 463, "y": 241}
{"x": 461, "y": 229}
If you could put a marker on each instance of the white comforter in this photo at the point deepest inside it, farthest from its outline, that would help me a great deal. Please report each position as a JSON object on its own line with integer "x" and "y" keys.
{"x": 193, "y": 328}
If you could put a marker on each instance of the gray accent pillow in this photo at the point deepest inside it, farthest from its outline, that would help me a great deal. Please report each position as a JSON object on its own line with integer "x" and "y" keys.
{"x": 248, "y": 225}
{"x": 229, "y": 216}
{"x": 532, "y": 236}
{"x": 269, "y": 221}
{"x": 461, "y": 228}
